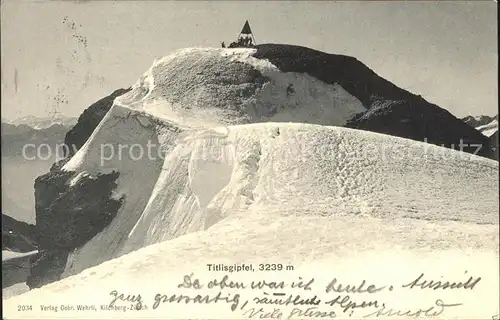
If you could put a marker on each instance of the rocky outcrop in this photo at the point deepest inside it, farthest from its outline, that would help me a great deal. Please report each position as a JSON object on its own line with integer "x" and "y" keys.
{"x": 46, "y": 267}
{"x": 419, "y": 120}
{"x": 350, "y": 73}
{"x": 15, "y": 270}
{"x": 19, "y": 243}
{"x": 18, "y": 236}
{"x": 88, "y": 121}
{"x": 70, "y": 214}
{"x": 70, "y": 210}
{"x": 391, "y": 110}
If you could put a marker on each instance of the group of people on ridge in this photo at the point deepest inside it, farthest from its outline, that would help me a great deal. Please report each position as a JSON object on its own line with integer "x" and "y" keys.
{"x": 241, "y": 42}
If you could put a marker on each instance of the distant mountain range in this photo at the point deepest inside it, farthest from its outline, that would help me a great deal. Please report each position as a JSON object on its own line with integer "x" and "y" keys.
{"x": 476, "y": 121}
{"x": 28, "y": 152}
{"x": 16, "y": 136}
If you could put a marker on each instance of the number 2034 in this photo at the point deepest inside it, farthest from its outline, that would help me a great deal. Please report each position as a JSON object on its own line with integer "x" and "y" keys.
{"x": 26, "y": 307}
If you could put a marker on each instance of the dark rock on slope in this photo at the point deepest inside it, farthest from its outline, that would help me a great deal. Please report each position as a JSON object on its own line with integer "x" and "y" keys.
{"x": 67, "y": 216}
{"x": 15, "y": 270}
{"x": 18, "y": 236}
{"x": 88, "y": 121}
{"x": 391, "y": 110}
{"x": 419, "y": 120}
{"x": 46, "y": 267}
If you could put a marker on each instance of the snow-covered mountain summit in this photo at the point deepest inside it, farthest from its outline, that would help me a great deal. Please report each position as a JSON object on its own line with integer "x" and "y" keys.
{"x": 230, "y": 86}
{"x": 485, "y": 124}
{"x": 477, "y": 121}
{"x": 204, "y": 137}
{"x": 209, "y": 86}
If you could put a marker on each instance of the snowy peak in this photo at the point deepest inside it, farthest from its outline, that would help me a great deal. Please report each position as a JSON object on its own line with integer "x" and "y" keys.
{"x": 485, "y": 124}
{"x": 206, "y": 86}
{"x": 199, "y": 87}
{"x": 478, "y": 121}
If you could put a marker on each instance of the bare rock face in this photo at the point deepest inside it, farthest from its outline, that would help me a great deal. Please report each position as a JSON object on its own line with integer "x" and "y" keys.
{"x": 18, "y": 236}
{"x": 419, "y": 120}
{"x": 68, "y": 214}
{"x": 391, "y": 110}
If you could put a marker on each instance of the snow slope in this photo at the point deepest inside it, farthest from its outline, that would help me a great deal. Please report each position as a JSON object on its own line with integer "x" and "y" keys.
{"x": 317, "y": 170}
{"x": 14, "y": 290}
{"x": 489, "y": 129}
{"x": 326, "y": 199}
{"x": 320, "y": 247}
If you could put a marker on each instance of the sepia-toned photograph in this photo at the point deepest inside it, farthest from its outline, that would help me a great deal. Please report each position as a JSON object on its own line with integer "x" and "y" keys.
{"x": 249, "y": 159}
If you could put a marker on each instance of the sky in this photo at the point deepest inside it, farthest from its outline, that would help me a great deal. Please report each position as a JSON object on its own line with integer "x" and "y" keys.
{"x": 61, "y": 56}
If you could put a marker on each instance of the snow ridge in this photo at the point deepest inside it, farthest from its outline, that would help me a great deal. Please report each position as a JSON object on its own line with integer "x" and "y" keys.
{"x": 272, "y": 167}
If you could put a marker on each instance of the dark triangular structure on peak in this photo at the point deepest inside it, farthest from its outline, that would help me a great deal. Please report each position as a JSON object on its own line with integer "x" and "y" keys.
{"x": 246, "y": 28}
{"x": 245, "y": 39}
